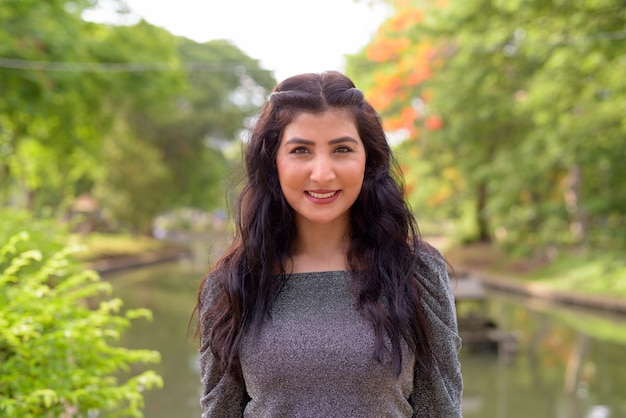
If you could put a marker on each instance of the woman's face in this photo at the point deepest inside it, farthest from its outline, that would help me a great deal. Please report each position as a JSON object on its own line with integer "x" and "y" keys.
{"x": 321, "y": 164}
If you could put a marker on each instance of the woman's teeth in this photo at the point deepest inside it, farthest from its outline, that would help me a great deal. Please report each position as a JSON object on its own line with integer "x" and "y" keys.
{"x": 322, "y": 195}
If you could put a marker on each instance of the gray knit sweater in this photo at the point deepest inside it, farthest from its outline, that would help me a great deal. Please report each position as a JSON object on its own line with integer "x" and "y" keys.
{"x": 314, "y": 357}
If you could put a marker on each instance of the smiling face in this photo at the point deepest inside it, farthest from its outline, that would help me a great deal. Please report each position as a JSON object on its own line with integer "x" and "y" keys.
{"x": 321, "y": 164}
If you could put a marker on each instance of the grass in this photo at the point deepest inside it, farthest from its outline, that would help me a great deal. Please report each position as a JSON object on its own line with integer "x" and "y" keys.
{"x": 593, "y": 273}
{"x": 587, "y": 272}
{"x": 486, "y": 257}
{"x": 98, "y": 246}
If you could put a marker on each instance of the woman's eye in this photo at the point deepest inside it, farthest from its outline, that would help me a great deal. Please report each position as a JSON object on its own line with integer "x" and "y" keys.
{"x": 342, "y": 149}
{"x": 299, "y": 150}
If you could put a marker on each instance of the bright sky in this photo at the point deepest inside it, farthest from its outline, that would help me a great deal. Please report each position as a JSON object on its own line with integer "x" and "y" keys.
{"x": 287, "y": 36}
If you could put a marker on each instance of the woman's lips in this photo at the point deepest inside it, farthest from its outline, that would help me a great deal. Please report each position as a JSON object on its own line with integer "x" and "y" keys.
{"x": 322, "y": 197}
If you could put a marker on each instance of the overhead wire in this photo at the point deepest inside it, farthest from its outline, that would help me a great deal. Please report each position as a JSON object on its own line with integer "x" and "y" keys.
{"x": 144, "y": 67}
{"x": 117, "y": 67}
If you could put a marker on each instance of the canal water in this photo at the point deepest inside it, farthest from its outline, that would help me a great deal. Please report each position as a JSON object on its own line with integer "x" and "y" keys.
{"x": 568, "y": 363}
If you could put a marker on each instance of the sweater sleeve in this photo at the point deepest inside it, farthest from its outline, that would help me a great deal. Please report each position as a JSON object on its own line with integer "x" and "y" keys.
{"x": 222, "y": 394}
{"x": 438, "y": 394}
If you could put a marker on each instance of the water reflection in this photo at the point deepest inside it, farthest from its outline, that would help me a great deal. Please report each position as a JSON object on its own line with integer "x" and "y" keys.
{"x": 169, "y": 291}
{"x": 569, "y": 364}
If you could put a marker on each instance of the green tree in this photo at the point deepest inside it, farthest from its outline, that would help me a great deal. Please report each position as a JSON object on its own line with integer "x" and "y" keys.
{"x": 177, "y": 157}
{"x": 223, "y": 88}
{"x": 131, "y": 182}
{"x": 529, "y": 96}
{"x": 50, "y": 111}
{"x": 78, "y": 95}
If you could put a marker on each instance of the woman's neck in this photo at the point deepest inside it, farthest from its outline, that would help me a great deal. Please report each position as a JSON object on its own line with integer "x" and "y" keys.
{"x": 320, "y": 248}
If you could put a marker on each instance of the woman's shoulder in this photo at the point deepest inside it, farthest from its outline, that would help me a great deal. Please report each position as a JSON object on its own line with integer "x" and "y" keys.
{"x": 430, "y": 257}
{"x": 210, "y": 288}
{"x": 431, "y": 272}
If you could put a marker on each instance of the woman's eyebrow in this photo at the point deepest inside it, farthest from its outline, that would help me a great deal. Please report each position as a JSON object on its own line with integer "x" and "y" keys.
{"x": 299, "y": 141}
{"x": 302, "y": 141}
{"x": 343, "y": 139}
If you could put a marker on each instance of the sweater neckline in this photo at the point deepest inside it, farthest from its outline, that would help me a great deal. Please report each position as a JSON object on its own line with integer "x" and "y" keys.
{"x": 318, "y": 273}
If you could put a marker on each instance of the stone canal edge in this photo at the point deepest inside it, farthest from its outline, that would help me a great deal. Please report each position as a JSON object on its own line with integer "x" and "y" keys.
{"x": 109, "y": 265}
{"x": 488, "y": 280}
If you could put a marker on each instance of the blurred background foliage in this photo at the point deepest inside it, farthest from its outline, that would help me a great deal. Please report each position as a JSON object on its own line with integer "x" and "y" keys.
{"x": 132, "y": 117}
{"x": 508, "y": 117}
{"x": 512, "y": 115}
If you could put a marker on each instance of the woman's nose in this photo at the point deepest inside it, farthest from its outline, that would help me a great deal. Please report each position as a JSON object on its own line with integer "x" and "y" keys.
{"x": 322, "y": 170}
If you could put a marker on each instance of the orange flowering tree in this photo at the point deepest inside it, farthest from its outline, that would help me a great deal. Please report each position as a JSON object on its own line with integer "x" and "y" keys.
{"x": 401, "y": 61}
{"x": 396, "y": 68}
{"x": 511, "y": 114}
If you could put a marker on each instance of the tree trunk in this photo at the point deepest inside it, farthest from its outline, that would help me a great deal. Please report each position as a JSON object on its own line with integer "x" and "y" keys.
{"x": 572, "y": 197}
{"x": 30, "y": 200}
{"x": 481, "y": 214}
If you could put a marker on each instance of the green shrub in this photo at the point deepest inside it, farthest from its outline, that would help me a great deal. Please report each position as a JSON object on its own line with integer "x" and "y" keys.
{"x": 58, "y": 356}
{"x": 49, "y": 235}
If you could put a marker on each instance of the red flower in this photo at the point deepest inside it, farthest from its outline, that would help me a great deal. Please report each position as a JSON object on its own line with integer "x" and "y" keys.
{"x": 433, "y": 123}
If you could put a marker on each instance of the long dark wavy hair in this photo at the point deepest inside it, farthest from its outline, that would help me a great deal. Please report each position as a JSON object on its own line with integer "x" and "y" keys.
{"x": 384, "y": 238}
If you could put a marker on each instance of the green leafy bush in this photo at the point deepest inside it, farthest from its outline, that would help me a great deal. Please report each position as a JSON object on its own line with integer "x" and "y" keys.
{"x": 58, "y": 356}
{"x": 49, "y": 235}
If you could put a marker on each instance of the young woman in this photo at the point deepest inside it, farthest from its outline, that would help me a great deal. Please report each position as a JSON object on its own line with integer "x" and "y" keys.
{"x": 328, "y": 303}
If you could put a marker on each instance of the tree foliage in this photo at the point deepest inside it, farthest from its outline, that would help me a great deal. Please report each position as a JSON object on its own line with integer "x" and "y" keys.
{"x": 86, "y": 104}
{"x": 513, "y": 111}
